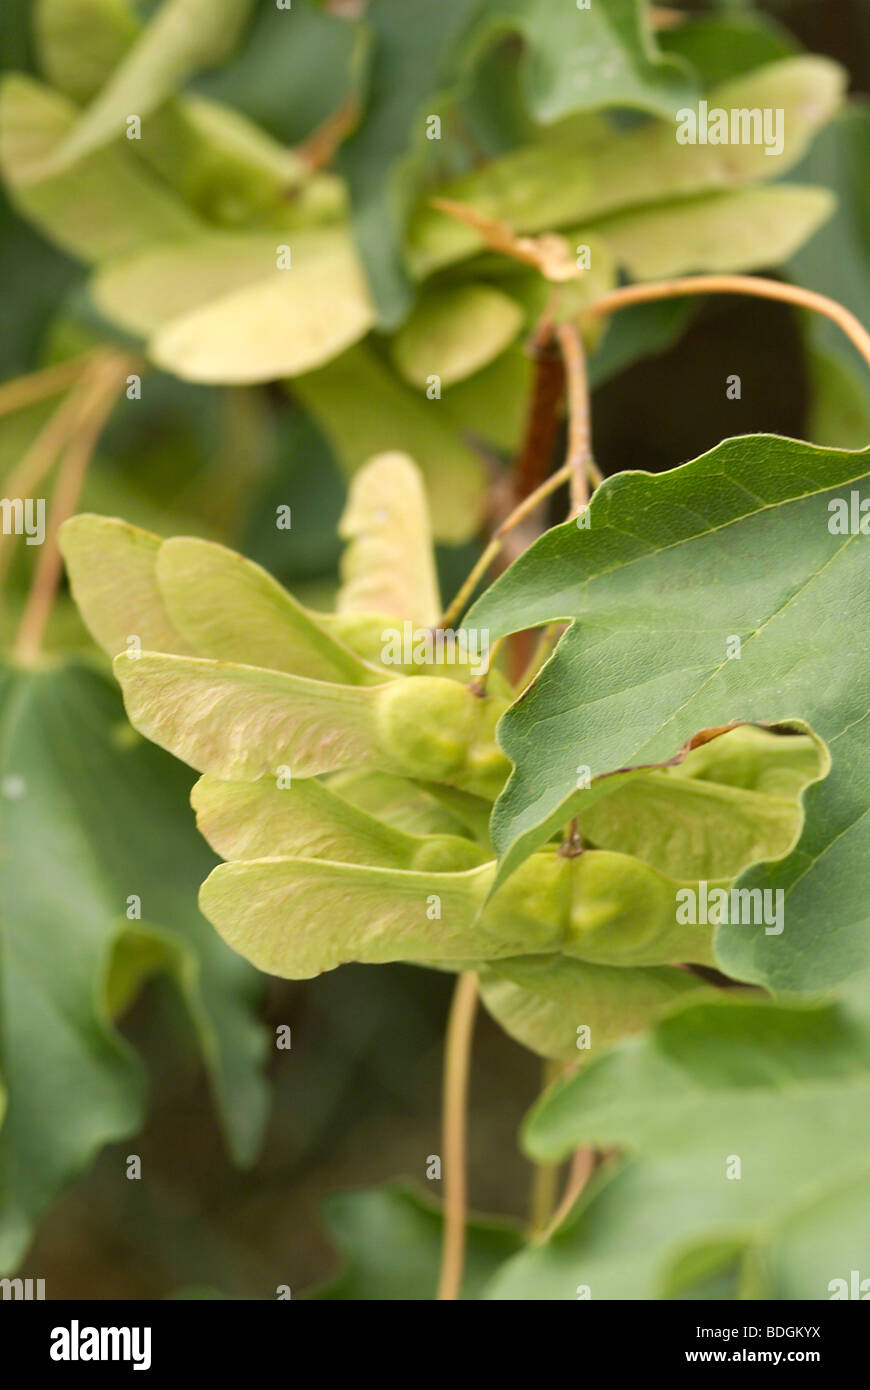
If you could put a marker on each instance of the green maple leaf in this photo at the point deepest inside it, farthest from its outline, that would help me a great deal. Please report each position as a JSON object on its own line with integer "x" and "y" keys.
{"x": 754, "y": 541}
{"x": 784, "y": 1090}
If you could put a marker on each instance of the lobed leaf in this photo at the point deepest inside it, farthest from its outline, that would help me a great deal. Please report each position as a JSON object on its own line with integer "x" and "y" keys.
{"x": 391, "y": 1240}
{"x": 86, "y": 820}
{"x": 780, "y": 1089}
{"x": 580, "y": 59}
{"x": 742, "y": 542}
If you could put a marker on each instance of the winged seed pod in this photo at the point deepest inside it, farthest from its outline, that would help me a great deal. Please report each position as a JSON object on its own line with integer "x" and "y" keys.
{"x": 350, "y": 793}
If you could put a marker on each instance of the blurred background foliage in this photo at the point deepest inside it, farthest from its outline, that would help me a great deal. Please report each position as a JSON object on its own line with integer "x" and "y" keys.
{"x": 174, "y": 1058}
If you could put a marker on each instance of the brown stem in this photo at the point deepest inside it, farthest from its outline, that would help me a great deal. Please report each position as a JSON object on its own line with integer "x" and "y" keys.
{"x": 40, "y": 459}
{"x": 107, "y": 381}
{"x": 49, "y": 381}
{"x": 581, "y": 1170}
{"x": 457, "y": 1063}
{"x": 735, "y": 284}
{"x": 572, "y": 843}
{"x": 320, "y": 147}
{"x": 664, "y": 17}
{"x": 542, "y": 416}
{"x": 579, "y": 429}
{"x": 643, "y": 294}
{"x": 479, "y": 569}
{"x": 545, "y": 1183}
{"x": 477, "y": 686}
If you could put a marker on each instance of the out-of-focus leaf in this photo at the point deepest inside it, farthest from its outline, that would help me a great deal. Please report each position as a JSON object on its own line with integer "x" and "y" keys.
{"x": 16, "y": 39}
{"x": 388, "y": 566}
{"x": 81, "y": 42}
{"x": 721, "y": 47}
{"x": 228, "y": 170}
{"x": 723, "y": 232}
{"x": 545, "y": 1001}
{"x": 36, "y": 277}
{"x": 546, "y": 185}
{"x": 747, "y": 541}
{"x": 839, "y": 406}
{"x": 453, "y": 331}
{"x": 407, "y": 61}
{"x": 364, "y": 410}
{"x": 391, "y": 1241}
{"x": 292, "y": 71}
{"x": 90, "y": 824}
{"x": 183, "y": 36}
{"x": 781, "y": 1090}
{"x": 230, "y": 309}
{"x": 637, "y": 332}
{"x": 491, "y": 405}
{"x": 837, "y": 260}
{"x": 581, "y": 58}
{"x": 107, "y": 205}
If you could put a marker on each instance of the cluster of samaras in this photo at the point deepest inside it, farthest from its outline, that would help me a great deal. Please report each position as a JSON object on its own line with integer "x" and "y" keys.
{"x": 351, "y": 799}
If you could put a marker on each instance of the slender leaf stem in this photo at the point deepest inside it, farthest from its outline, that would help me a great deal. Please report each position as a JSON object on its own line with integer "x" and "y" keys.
{"x": 582, "y": 1167}
{"x": 545, "y": 1186}
{"x": 579, "y": 428}
{"x": 457, "y": 1065}
{"x": 40, "y": 459}
{"x": 108, "y": 377}
{"x": 528, "y": 504}
{"x": 48, "y": 381}
{"x": 464, "y": 593}
{"x": 541, "y": 426}
{"x": 545, "y": 1182}
{"x": 735, "y": 284}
